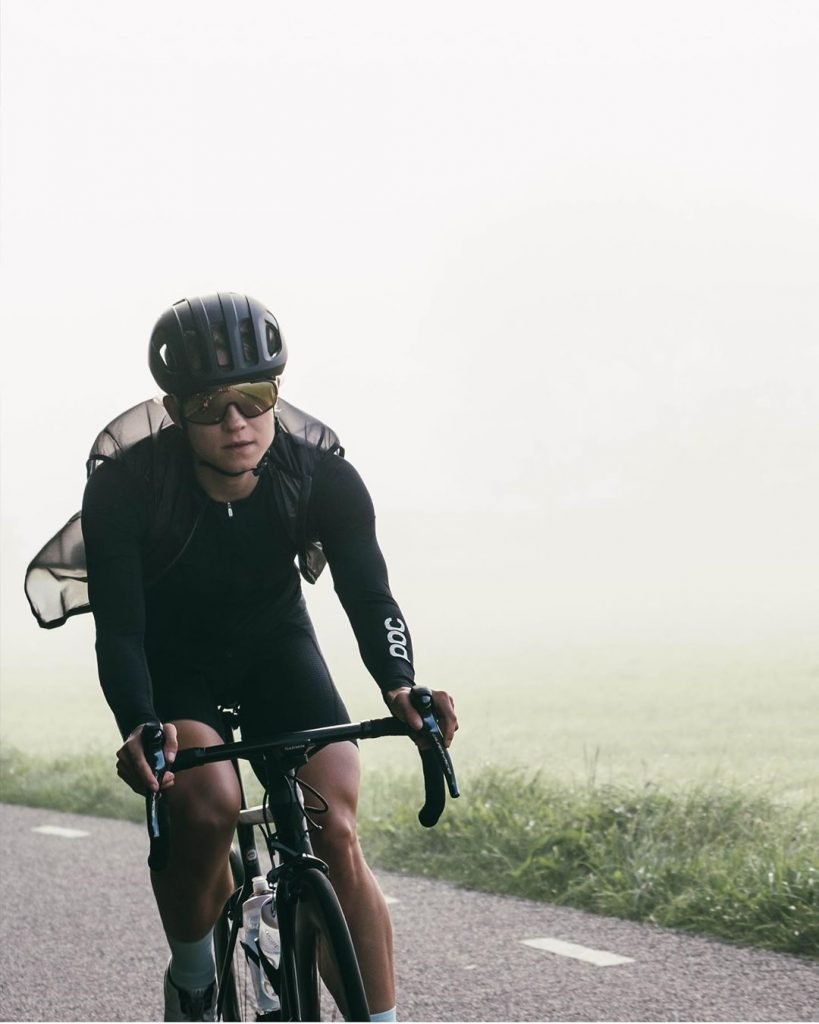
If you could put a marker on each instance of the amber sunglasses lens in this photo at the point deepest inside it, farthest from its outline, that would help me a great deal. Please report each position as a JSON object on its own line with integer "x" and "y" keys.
{"x": 251, "y": 398}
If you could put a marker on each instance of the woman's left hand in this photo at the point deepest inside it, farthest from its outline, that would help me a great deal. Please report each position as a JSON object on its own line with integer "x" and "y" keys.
{"x": 398, "y": 701}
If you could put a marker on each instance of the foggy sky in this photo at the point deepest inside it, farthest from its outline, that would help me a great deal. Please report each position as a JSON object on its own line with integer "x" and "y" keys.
{"x": 548, "y": 269}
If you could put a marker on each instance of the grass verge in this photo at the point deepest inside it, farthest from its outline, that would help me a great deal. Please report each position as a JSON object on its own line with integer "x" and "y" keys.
{"x": 718, "y": 862}
{"x": 77, "y": 784}
{"x": 712, "y": 861}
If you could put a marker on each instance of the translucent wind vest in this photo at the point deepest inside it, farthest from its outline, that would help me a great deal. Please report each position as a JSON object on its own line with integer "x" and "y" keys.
{"x": 155, "y": 450}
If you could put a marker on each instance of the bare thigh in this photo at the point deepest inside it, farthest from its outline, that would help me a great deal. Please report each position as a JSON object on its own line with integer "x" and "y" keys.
{"x": 203, "y": 798}
{"x": 335, "y": 772}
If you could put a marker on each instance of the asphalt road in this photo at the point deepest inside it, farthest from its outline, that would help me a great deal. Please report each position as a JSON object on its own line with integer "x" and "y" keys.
{"x": 80, "y": 941}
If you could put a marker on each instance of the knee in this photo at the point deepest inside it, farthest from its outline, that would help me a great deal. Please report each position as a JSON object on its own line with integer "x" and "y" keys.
{"x": 337, "y": 842}
{"x": 199, "y": 818}
{"x": 201, "y": 810}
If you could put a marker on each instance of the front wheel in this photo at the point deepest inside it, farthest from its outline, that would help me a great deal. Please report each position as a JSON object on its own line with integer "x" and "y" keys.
{"x": 320, "y": 973}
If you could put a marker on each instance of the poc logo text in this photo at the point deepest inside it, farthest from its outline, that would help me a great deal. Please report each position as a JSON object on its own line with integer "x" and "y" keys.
{"x": 397, "y": 638}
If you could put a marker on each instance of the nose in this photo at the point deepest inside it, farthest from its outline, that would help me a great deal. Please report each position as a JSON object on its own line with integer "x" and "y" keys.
{"x": 233, "y": 419}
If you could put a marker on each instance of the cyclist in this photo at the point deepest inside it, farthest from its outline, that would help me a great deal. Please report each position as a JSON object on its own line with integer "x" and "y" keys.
{"x": 191, "y": 536}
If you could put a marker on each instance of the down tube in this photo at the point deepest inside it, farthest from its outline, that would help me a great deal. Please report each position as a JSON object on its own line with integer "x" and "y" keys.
{"x": 286, "y": 918}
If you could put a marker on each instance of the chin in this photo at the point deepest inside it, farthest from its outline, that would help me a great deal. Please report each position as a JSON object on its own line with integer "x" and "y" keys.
{"x": 236, "y": 465}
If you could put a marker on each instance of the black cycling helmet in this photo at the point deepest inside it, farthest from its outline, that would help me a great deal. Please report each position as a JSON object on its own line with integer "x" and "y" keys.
{"x": 203, "y": 342}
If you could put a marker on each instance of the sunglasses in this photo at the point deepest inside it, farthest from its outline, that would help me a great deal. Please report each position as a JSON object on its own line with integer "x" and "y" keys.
{"x": 251, "y": 398}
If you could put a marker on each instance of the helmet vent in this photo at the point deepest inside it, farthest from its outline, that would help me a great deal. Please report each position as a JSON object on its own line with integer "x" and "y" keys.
{"x": 167, "y": 358}
{"x": 249, "y": 350}
{"x": 221, "y": 348}
{"x": 194, "y": 352}
{"x": 272, "y": 339}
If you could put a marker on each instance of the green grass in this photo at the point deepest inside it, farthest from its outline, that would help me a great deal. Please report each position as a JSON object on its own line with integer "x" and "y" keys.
{"x": 707, "y": 859}
{"x": 77, "y": 784}
{"x": 710, "y": 860}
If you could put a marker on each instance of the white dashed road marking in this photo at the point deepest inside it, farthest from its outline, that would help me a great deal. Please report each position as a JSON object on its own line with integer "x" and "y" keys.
{"x": 65, "y": 833}
{"x": 598, "y": 957}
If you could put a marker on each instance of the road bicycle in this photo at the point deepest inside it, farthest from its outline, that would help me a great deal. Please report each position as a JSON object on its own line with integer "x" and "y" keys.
{"x": 317, "y": 977}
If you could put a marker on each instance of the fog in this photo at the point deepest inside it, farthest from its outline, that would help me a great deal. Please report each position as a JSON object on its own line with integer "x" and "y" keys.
{"x": 548, "y": 269}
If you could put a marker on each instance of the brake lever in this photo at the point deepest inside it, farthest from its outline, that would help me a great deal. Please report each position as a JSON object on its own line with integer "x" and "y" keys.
{"x": 421, "y": 700}
{"x": 446, "y": 762}
{"x": 156, "y": 811}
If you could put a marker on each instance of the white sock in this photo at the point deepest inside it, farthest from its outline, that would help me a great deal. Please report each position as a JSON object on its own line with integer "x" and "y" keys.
{"x": 192, "y": 964}
{"x": 387, "y": 1015}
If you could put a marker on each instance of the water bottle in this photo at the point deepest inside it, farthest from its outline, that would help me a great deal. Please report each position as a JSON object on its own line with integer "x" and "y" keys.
{"x": 269, "y": 945}
{"x": 251, "y": 917}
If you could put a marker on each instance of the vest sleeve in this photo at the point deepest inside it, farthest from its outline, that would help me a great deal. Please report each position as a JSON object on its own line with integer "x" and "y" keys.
{"x": 56, "y": 581}
{"x": 344, "y": 519}
{"x": 113, "y": 529}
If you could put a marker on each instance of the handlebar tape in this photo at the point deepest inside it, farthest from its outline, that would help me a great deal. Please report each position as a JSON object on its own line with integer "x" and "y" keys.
{"x": 434, "y": 794}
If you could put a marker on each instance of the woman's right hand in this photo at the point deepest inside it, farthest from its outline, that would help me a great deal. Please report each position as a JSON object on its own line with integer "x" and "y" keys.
{"x": 133, "y": 768}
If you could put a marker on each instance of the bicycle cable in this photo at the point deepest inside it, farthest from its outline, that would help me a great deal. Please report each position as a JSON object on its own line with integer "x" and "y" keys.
{"x": 322, "y": 809}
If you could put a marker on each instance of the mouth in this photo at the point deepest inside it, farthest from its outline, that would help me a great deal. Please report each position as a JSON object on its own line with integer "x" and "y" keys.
{"x": 238, "y": 445}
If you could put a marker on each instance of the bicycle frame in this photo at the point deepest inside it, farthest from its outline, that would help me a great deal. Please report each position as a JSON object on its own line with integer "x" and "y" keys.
{"x": 284, "y": 810}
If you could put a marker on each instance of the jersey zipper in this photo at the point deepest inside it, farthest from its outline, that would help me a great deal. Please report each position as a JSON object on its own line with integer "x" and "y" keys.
{"x": 229, "y": 510}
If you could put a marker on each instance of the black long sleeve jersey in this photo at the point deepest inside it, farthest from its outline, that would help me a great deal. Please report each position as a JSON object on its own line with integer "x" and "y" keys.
{"x": 234, "y": 584}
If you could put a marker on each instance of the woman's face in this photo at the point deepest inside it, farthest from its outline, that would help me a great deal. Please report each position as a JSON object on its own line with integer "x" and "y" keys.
{"x": 235, "y": 445}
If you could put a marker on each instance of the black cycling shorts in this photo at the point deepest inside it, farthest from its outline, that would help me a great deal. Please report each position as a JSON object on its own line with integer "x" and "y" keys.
{"x": 281, "y": 684}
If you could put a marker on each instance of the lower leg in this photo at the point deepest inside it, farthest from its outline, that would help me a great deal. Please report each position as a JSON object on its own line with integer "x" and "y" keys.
{"x": 190, "y": 896}
{"x": 335, "y": 773}
{"x": 370, "y": 926}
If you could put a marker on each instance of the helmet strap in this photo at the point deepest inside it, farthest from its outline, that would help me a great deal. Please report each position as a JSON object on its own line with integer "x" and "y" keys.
{"x": 258, "y": 470}
{"x": 224, "y": 472}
